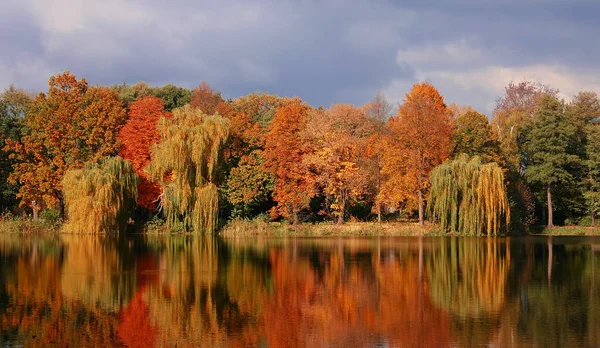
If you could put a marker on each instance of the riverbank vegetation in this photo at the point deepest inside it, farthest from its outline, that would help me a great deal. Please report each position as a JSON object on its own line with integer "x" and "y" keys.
{"x": 111, "y": 158}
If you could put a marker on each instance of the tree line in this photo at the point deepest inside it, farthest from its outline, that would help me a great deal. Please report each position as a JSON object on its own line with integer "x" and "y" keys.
{"x": 103, "y": 156}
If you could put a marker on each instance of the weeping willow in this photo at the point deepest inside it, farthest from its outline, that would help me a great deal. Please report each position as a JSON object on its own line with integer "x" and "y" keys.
{"x": 98, "y": 197}
{"x": 184, "y": 164}
{"x": 469, "y": 197}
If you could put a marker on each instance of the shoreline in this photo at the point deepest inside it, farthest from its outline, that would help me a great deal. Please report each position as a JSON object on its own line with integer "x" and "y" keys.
{"x": 252, "y": 228}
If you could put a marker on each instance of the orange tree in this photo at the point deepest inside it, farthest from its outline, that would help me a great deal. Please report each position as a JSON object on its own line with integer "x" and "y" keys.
{"x": 71, "y": 125}
{"x": 420, "y": 140}
{"x": 338, "y": 139}
{"x": 284, "y": 154}
{"x": 137, "y": 137}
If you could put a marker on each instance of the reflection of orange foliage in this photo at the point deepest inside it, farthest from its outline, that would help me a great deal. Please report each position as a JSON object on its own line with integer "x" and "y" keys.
{"x": 348, "y": 302}
{"x": 406, "y": 314}
{"x": 135, "y": 326}
{"x": 43, "y": 316}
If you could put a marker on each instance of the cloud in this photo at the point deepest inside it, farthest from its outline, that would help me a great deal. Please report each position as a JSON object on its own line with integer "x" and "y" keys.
{"x": 322, "y": 51}
{"x": 467, "y": 72}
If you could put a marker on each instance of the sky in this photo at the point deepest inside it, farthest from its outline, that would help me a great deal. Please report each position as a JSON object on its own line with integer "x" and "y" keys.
{"x": 323, "y": 51}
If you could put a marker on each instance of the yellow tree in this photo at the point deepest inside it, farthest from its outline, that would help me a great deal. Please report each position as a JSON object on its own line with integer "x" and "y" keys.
{"x": 420, "y": 140}
{"x": 185, "y": 163}
{"x": 338, "y": 140}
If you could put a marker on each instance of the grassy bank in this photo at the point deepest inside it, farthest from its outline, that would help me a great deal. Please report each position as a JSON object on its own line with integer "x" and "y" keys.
{"x": 18, "y": 225}
{"x": 566, "y": 231}
{"x": 240, "y": 228}
{"x": 244, "y": 228}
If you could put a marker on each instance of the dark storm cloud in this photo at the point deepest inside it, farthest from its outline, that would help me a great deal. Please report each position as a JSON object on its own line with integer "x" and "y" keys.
{"x": 322, "y": 51}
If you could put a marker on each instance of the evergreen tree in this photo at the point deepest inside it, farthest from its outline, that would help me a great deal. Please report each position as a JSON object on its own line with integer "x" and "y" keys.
{"x": 548, "y": 149}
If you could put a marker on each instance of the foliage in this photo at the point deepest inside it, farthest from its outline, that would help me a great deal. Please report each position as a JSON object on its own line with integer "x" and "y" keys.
{"x": 473, "y": 135}
{"x": 284, "y": 154}
{"x": 184, "y": 164}
{"x": 68, "y": 127}
{"x": 99, "y": 197}
{"x": 14, "y": 105}
{"x": 247, "y": 185}
{"x": 260, "y": 107}
{"x": 420, "y": 140}
{"x": 547, "y": 145}
{"x": 592, "y": 164}
{"x": 130, "y": 93}
{"x": 205, "y": 98}
{"x": 469, "y": 197}
{"x": 514, "y": 110}
{"x": 172, "y": 96}
{"x": 137, "y": 136}
{"x": 337, "y": 138}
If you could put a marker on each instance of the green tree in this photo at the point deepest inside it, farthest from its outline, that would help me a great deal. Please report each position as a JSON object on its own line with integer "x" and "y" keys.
{"x": 173, "y": 96}
{"x": 548, "y": 148}
{"x": 473, "y": 135}
{"x": 185, "y": 164}
{"x": 14, "y": 104}
{"x": 592, "y": 165}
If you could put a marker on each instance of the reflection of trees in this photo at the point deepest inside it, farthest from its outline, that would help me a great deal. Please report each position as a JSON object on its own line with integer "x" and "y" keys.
{"x": 188, "y": 291}
{"x": 40, "y": 314}
{"x": 562, "y": 312}
{"x": 468, "y": 276}
{"x": 93, "y": 270}
{"x": 342, "y": 298}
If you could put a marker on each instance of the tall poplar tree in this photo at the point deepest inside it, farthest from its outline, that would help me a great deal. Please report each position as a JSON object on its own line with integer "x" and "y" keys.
{"x": 548, "y": 148}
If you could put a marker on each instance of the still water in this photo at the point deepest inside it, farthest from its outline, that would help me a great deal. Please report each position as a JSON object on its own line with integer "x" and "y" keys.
{"x": 290, "y": 292}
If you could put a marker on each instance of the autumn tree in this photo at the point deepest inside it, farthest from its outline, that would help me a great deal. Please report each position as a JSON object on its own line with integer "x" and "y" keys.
{"x": 284, "y": 154}
{"x": 547, "y": 141}
{"x": 70, "y": 126}
{"x": 138, "y": 136}
{"x": 379, "y": 110}
{"x": 249, "y": 185}
{"x": 14, "y": 105}
{"x": 420, "y": 140}
{"x": 337, "y": 138}
{"x": 184, "y": 163}
{"x": 205, "y": 98}
{"x": 473, "y": 135}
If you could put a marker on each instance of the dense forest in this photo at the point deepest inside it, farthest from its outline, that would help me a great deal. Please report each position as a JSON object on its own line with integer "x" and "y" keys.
{"x": 102, "y": 157}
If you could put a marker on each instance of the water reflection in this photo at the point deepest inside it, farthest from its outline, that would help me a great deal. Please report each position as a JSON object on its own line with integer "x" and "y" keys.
{"x": 345, "y": 292}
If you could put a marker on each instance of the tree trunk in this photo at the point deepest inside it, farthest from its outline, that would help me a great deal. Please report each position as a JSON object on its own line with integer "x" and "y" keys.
{"x": 379, "y": 177}
{"x": 36, "y": 209}
{"x": 340, "y": 219}
{"x": 421, "y": 208}
{"x": 550, "y": 219}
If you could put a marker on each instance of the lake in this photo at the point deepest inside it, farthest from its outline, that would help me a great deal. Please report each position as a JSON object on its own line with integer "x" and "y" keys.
{"x": 145, "y": 290}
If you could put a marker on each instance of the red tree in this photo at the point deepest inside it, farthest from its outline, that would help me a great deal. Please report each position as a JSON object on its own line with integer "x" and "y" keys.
{"x": 137, "y": 136}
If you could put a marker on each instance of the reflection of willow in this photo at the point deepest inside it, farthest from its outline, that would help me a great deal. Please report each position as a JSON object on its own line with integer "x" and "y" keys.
{"x": 40, "y": 315}
{"x": 183, "y": 305}
{"x": 469, "y": 277}
{"x": 93, "y": 272}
